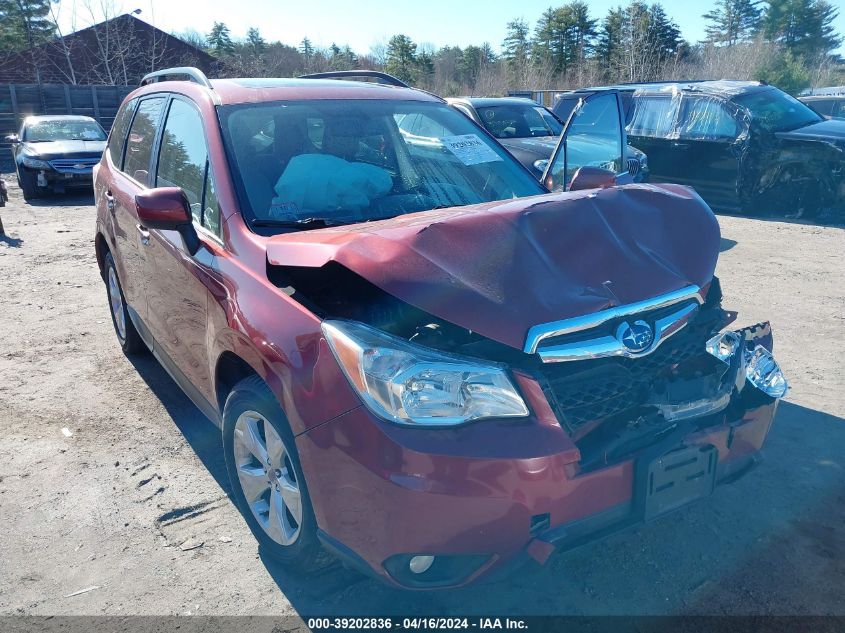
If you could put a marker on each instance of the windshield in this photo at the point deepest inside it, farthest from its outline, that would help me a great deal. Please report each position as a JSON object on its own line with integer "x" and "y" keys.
{"x": 518, "y": 121}
{"x": 776, "y": 111}
{"x": 58, "y": 130}
{"x": 349, "y": 161}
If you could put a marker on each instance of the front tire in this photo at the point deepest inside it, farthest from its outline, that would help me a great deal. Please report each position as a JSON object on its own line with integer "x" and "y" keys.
{"x": 128, "y": 337}
{"x": 267, "y": 479}
{"x": 29, "y": 184}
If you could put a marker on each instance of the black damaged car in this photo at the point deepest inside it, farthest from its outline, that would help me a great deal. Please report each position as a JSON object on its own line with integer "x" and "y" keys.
{"x": 55, "y": 153}
{"x": 744, "y": 146}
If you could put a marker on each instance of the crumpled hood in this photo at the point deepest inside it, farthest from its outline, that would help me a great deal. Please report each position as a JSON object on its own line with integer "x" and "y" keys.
{"x": 65, "y": 149}
{"x": 500, "y": 268}
{"x": 829, "y": 130}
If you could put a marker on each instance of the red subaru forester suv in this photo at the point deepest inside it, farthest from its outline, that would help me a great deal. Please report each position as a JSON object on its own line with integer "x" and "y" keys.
{"x": 424, "y": 361}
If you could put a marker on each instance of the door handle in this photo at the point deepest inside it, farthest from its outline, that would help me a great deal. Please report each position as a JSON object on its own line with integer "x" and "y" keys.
{"x": 680, "y": 145}
{"x": 144, "y": 233}
{"x": 110, "y": 201}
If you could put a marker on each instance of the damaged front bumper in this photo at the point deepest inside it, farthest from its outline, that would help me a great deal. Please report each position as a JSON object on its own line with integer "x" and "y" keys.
{"x": 464, "y": 502}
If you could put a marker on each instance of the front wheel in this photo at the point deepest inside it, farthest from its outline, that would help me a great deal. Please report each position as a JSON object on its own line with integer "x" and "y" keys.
{"x": 267, "y": 480}
{"x": 28, "y": 183}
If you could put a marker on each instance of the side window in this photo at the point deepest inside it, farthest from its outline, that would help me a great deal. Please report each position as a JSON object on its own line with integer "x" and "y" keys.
{"x": 139, "y": 144}
{"x": 117, "y": 137}
{"x": 183, "y": 155}
{"x": 593, "y": 139}
{"x": 822, "y": 106}
{"x": 652, "y": 116}
{"x": 839, "y": 109}
{"x": 706, "y": 119}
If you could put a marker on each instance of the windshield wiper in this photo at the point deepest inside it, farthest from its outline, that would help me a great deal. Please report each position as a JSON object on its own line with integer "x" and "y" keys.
{"x": 291, "y": 224}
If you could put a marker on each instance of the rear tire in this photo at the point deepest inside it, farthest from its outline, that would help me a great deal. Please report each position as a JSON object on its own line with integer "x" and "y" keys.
{"x": 262, "y": 462}
{"x": 28, "y": 183}
{"x": 130, "y": 341}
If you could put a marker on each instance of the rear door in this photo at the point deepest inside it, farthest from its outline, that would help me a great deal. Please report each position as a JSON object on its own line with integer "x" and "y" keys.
{"x": 127, "y": 177}
{"x": 178, "y": 294}
{"x": 594, "y": 136}
{"x": 651, "y": 128}
{"x": 708, "y": 149}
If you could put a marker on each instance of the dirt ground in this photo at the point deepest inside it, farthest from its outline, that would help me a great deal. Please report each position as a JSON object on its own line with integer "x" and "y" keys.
{"x": 107, "y": 469}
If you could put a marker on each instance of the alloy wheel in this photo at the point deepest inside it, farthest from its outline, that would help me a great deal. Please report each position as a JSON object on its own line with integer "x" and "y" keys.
{"x": 267, "y": 478}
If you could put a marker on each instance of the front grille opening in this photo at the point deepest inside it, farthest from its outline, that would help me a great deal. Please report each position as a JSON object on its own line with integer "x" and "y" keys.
{"x": 583, "y": 392}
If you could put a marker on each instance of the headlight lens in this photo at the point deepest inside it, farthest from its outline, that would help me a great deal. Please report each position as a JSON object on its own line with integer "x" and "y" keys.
{"x": 761, "y": 368}
{"x": 35, "y": 163}
{"x": 413, "y": 385}
{"x": 763, "y": 371}
{"x": 723, "y": 346}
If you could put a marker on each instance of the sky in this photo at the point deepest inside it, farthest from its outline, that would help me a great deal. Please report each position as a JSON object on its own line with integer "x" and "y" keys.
{"x": 366, "y": 23}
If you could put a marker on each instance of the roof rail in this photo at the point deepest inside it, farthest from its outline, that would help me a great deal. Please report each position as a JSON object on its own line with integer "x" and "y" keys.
{"x": 382, "y": 78}
{"x": 193, "y": 74}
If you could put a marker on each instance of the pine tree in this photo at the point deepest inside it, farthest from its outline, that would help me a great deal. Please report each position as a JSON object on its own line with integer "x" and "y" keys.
{"x": 220, "y": 41}
{"x": 306, "y": 48}
{"x": 516, "y": 45}
{"x": 667, "y": 36}
{"x": 402, "y": 58}
{"x": 732, "y": 21}
{"x": 804, "y": 27}
{"x": 24, "y": 24}
{"x": 542, "y": 45}
{"x": 255, "y": 44}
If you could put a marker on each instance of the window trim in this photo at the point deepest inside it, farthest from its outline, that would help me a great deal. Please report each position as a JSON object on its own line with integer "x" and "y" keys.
{"x": 125, "y": 136}
{"x": 141, "y": 99}
{"x": 208, "y": 166}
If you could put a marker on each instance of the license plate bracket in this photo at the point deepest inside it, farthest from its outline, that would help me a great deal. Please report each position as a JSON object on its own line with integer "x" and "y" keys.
{"x": 677, "y": 478}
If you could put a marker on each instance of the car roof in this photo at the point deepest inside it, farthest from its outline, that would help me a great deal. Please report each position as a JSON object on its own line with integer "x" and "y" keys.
{"x": 483, "y": 102}
{"x": 258, "y": 90}
{"x": 37, "y": 118}
{"x": 720, "y": 87}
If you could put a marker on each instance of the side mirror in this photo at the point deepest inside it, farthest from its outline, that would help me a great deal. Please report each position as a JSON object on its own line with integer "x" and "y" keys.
{"x": 592, "y": 178}
{"x": 13, "y": 138}
{"x": 541, "y": 165}
{"x": 167, "y": 209}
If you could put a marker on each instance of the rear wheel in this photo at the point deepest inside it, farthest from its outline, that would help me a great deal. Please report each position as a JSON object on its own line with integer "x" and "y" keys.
{"x": 28, "y": 183}
{"x": 267, "y": 480}
{"x": 128, "y": 337}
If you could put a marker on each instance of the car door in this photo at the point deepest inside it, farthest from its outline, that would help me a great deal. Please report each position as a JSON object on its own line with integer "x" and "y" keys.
{"x": 178, "y": 296}
{"x": 594, "y": 136}
{"x": 651, "y": 127}
{"x": 127, "y": 177}
{"x": 708, "y": 150}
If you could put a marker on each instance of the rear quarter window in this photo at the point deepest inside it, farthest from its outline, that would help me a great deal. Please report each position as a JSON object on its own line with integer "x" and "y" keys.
{"x": 142, "y": 134}
{"x": 117, "y": 137}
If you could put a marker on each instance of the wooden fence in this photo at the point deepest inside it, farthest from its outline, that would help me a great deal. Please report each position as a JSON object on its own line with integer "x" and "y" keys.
{"x": 21, "y": 100}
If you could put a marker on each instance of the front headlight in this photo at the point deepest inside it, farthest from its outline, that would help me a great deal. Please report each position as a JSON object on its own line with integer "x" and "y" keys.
{"x": 35, "y": 163}
{"x": 761, "y": 368}
{"x": 409, "y": 384}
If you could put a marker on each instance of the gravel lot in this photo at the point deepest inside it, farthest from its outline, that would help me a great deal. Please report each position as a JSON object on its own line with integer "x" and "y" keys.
{"x": 142, "y": 471}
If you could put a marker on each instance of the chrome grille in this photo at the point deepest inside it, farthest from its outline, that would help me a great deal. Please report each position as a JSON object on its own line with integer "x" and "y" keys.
{"x": 590, "y": 390}
{"x": 633, "y": 166}
{"x": 74, "y": 165}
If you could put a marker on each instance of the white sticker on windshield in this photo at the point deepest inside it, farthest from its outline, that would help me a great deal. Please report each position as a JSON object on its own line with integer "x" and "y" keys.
{"x": 470, "y": 149}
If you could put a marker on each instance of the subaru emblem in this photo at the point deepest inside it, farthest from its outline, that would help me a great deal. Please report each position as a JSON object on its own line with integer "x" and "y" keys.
{"x": 636, "y": 337}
